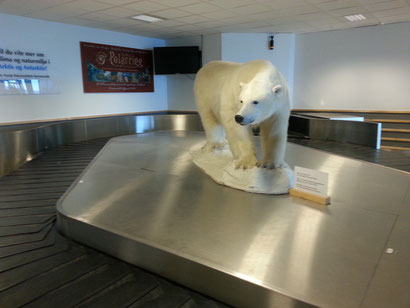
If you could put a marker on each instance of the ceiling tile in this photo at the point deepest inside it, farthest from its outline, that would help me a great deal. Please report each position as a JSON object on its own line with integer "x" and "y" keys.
{"x": 319, "y": 1}
{"x": 89, "y": 5}
{"x": 169, "y": 23}
{"x": 97, "y": 17}
{"x": 338, "y": 4}
{"x": 56, "y": 13}
{"x": 279, "y": 20}
{"x": 267, "y": 29}
{"x": 293, "y": 27}
{"x": 193, "y": 19}
{"x": 297, "y": 10}
{"x": 231, "y": 3}
{"x": 145, "y": 6}
{"x": 76, "y": 21}
{"x": 266, "y": 15}
{"x": 368, "y": 21}
{"x": 41, "y": 3}
{"x": 306, "y": 29}
{"x": 314, "y": 16}
{"x": 205, "y": 31}
{"x": 168, "y": 30}
{"x": 320, "y": 20}
{"x": 393, "y": 12}
{"x": 285, "y": 4}
{"x": 25, "y": 5}
{"x": 116, "y": 2}
{"x": 371, "y": 1}
{"x": 187, "y": 27}
{"x": 334, "y": 27}
{"x": 190, "y": 17}
{"x": 211, "y": 24}
{"x": 199, "y": 8}
{"x": 45, "y": 16}
{"x": 250, "y": 9}
{"x": 237, "y": 20}
{"x": 6, "y": 9}
{"x": 171, "y": 13}
{"x": 118, "y": 12}
{"x": 186, "y": 34}
{"x": 253, "y": 24}
{"x": 226, "y": 28}
{"x": 65, "y": 10}
{"x": 220, "y": 14}
{"x": 348, "y": 11}
{"x": 393, "y": 19}
{"x": 148, "y": 26}
{"x": 382, "y": 6}
{"x": 127, "y": 22}
{"x": 176, "y": 3}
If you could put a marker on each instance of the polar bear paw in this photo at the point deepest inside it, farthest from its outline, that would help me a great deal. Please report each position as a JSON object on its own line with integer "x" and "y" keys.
{"x": 245, "y": 163}
{"x": 268, "y": 164}
{"x": 215, "y": 146}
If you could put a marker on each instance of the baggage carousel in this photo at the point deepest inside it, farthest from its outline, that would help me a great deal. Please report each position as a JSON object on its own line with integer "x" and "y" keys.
{"x": 143, "y": 201}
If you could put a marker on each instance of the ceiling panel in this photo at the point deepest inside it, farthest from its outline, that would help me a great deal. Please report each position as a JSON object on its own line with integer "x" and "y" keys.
{"x": 119, "y": 12}
{"x": 201, "y": 7}
{"x": 171, "y": 14}
{"x": 193, "y": 17}
{"x": 89, "y": 5}
{"x": 146, "y": 6}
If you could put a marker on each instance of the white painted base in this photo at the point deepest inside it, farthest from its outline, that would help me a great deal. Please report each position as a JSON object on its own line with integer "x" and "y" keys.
{"x": 219, "y": 165}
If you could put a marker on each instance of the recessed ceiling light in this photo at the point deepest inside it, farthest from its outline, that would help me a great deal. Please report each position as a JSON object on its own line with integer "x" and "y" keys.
{"x": 147, "y": 18}
{"x": 357, "y": 17}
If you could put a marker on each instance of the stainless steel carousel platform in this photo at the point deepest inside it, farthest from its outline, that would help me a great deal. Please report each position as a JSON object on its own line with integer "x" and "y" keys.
{"x": 143, "y": 201}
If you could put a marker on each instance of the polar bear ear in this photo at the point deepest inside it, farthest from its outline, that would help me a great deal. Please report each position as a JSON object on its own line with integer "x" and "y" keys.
{"x": 241, "y": 84}
{"x": 277, "y": 89}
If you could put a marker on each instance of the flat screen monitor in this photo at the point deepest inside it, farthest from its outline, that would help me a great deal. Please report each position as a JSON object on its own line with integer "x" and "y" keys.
{"x": 177, "y": 60}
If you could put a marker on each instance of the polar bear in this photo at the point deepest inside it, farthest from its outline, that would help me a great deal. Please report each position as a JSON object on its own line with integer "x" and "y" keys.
{"x": 232, "y": 98}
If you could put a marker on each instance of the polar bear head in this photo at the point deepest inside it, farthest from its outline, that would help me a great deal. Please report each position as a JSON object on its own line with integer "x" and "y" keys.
{"x": 259, "y": 100}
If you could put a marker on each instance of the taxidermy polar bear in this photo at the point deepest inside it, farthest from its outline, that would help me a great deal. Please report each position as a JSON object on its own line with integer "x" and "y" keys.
{"x": 233, "y": 97}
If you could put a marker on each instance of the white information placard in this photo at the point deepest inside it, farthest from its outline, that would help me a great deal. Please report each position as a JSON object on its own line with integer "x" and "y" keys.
{"x": 311, "y": 181}
{"x": 26, "y": 71}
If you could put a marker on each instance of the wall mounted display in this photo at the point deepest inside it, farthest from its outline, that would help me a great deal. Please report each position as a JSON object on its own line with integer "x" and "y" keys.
{"x": 109, "y": 68}
{"x": 26, "y": 71}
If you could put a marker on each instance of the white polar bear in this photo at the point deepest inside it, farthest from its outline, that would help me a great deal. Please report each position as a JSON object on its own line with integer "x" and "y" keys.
{"x": 233, "y": 97}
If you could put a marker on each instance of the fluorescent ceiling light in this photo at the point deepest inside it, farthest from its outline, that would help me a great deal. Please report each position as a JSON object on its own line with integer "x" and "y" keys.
{"x": 357, "y": 17}
{"x": 147, "y": 18}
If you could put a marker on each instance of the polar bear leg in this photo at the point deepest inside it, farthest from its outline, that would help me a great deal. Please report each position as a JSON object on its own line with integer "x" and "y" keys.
{"x": 215, "y": 134}
{"x": 241, "y": 145}
{"x": 274, "y": 137}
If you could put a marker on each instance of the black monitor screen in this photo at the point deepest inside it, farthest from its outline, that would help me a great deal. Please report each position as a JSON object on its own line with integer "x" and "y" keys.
{"x": 177, "y": 60}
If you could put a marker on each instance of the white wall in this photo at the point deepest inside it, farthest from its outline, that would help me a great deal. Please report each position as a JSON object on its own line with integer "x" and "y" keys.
{"x": 244, "y": 47}
{"x": 61, "y": 43}
{"x": 362, "y": 69}
{"x": 180, "y": 86}
{"x": 212, "y": 48}
{"x": 238, "y": 47}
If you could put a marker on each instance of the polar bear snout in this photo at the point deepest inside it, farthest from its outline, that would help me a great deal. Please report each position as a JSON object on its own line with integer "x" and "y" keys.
{"x": 243, "y": 120}
{"x": 238, "y": 119}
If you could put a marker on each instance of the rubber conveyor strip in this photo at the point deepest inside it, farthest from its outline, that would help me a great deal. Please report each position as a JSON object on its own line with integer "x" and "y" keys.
{"x": 40, "y": 268}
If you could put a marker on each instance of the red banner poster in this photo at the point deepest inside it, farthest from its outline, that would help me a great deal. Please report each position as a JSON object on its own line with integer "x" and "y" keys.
{"x": 109, "y": 68}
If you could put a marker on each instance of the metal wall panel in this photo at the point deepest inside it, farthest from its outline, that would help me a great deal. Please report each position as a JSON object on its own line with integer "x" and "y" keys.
{"x": 361, "y": 133}
{"x": 17, "y": 147}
